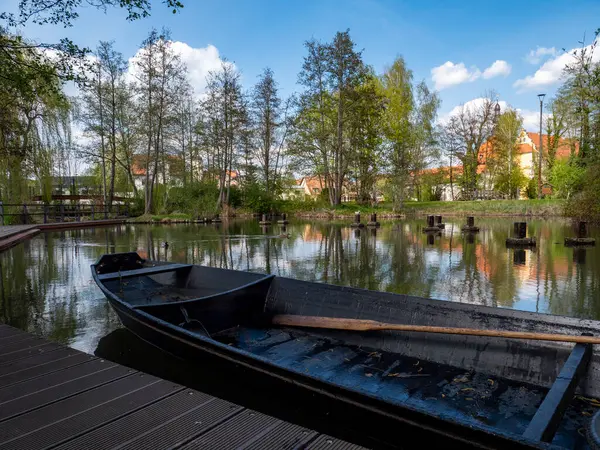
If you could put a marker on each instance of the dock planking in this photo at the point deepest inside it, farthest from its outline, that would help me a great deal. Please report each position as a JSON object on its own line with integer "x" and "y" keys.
{"x": 55, "y": 397}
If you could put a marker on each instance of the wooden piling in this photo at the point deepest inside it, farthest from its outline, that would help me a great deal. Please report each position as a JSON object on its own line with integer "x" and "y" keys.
{"x": 470, "y": 226}
{"x": 265, "y": 220}
{"x": 357, "y": 223}
{"x": 373, "y": 221}
{"x": 283, "y": 220}
{"x": 582, "y": 238}
{"x": 520, "y": 238}
{"x": 431, "y": 228}
{"x": 439, "y": 222}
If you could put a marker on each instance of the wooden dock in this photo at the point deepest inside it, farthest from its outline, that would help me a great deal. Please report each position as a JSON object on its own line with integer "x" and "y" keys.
{"x": 52, "y": 396}
{"x": 11, "y": 235}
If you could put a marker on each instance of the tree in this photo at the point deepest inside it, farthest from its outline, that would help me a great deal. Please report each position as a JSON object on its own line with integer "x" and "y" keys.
{"x": 504, "y": 169}
{"x": 364, "y": 138}
{"x": 396, "y": 87}
{"x": 408, "y": 127}
{"x": 158, "y": 73}
{"x": 34, "y": 119}
{"x": 267, "y": 120}
{"x": 68, "y": 58}
{"x": 99, "y": 113}
{"x": 331, "y": 74}
{"x": 472, "y": 125}
{"x": 225, "y": 117}
{"x": 346, "y": 73}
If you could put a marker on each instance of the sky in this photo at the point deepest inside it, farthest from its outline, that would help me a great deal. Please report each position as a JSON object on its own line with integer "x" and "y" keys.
{"x": 463, "y": 49}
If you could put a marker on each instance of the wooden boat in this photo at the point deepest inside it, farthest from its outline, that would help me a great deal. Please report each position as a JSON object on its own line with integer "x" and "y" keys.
{"x": 471, "y": 391}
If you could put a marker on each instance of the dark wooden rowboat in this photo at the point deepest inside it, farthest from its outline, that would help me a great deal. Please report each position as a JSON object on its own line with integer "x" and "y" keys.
{"x": 471, "y": 390}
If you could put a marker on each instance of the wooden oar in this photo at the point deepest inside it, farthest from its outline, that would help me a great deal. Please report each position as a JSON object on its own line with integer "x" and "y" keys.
{"x": 372, "y": 325}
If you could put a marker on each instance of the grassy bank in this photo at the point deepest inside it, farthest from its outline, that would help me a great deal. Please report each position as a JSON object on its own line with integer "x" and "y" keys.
{"x": 552, "y": 207}
{"x": 545, "y": 208}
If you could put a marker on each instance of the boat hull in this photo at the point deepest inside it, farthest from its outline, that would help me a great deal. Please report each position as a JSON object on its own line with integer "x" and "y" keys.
{"x": 448, "y": 431}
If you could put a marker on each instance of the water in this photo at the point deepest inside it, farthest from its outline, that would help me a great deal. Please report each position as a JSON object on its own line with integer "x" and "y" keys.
{"x": 47, "y": 287}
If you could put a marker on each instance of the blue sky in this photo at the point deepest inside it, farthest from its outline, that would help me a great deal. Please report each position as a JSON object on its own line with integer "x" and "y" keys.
{"x": 460, "y": 39}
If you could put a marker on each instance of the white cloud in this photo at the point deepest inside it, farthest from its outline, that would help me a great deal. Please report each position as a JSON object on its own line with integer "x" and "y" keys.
{"x": 198, "y": 60}
{"x": 450, "y": 74}
{"x": 498, "y": 68}
{"x": 550, "y": 72}
{"x": 471, "y": 105}
{"x": 536, "y": 56}
{"x": 531, "y": 119}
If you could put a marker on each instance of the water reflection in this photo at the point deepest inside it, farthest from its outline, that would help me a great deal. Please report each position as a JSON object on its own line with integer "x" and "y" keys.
{"x": 46, "y": 287}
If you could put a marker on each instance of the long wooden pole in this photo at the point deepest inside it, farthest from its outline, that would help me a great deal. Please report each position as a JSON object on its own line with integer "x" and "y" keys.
{"x": 372, "y": 325}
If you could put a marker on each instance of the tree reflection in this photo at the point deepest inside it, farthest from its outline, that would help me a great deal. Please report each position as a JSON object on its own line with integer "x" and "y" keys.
{"x": 46, "y": 286}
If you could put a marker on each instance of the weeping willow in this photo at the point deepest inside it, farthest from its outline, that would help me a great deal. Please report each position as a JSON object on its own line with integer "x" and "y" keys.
{"x": 35, "y": 136}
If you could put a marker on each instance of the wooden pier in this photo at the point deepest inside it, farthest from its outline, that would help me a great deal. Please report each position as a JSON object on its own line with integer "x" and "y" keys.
{"x": 52, "y": 396}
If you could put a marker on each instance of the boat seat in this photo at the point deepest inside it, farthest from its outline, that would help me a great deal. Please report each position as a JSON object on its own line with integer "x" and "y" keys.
{"x": 142, "y": 272}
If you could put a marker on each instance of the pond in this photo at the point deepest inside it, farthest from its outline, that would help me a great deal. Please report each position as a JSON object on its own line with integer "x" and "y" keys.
{"x": 46, "y": 286}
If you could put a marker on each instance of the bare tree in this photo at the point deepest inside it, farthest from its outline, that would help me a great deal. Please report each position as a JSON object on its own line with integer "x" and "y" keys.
{"x": 472, "y": 126}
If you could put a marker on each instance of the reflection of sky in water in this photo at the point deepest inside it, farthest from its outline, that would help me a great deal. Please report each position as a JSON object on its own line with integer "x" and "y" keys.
{"x": 47, "y": 285}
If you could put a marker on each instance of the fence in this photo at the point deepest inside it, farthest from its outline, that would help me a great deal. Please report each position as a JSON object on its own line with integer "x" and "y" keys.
{"x": 27, "y": 213}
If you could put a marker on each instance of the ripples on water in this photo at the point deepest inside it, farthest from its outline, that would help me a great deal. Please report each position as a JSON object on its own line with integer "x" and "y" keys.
{"x": 47, "y": 287}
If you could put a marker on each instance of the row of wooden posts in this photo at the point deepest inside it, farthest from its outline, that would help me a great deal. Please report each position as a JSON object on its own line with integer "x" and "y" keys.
{"x": 371, "y": 223}
{"x": 519, "y": 239}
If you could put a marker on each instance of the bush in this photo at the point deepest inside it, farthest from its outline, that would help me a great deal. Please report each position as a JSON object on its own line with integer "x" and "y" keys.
{"x": 197, "y": 199}
{"x": 567, "y": 178}
{"x": 531, "y": 189}
{"x": 587, "y": 202}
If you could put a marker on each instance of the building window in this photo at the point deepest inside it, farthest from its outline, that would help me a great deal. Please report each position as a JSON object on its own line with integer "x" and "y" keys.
{"x": 315, "y": 190}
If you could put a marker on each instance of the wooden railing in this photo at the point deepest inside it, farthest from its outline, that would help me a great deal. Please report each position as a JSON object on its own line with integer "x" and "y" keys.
{"x": 27, "y": 213}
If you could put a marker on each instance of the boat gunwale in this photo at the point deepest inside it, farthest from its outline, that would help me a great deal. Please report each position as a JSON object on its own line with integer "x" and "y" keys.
{"x": 308, "y": 380}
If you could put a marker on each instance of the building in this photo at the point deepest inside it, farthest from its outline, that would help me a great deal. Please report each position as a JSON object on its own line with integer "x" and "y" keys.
{"x": 527, "y": 151}
{"x": 526, "y": 158}
{"x": 172, "y": 174}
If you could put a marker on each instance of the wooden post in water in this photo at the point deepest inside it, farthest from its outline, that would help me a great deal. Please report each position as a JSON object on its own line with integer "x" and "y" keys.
{"x": 92, "y": 208}
{"x": 24, "y": 214}
{"x": 470, "y": 225}
{"x": 430, "y": 221}
{"x": 439, "y": 223}
{"x": 283, "y": 220}
{"x": 62, "y": 212}
{"x": 45, "y": 213}
{"x": 582, "y": 230}
{"x": 1, "y": 213}
{"x": 78, "y": 212}
{"x": 357, "y": 223}
{"x": 431, "y": 228}
{"x": 373, "y": 221}
{"x": 520, "y": 230}
{"x": 520, "y": 238}
{"x": 265, "y": 220}
{"x": 582, "y": 237}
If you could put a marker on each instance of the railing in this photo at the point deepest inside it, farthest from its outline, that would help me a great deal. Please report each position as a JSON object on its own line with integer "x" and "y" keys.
{"x": 26, "y": 213}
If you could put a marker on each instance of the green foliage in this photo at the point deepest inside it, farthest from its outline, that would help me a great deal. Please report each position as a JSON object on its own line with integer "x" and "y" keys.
{"x": 197, "y": 199}
{"x": 567, "y": 178}
{"x": 511, "y": 182}
{"x": 586, "y": 203}
{"x": 531, "y": 189}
